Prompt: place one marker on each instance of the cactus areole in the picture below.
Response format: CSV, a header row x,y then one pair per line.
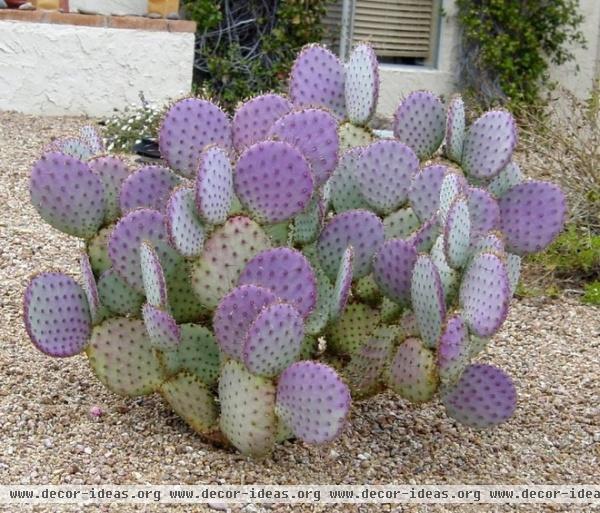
x,y
283,261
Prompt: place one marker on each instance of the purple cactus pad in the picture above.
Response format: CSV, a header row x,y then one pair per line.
x,y
90,288
362,84
455,129
360,229
452,186
392,269
413,373
67,194
273,340
314,133
254,118
384,172
214,185
489,144
273,180
510,176
188,127
124,245
317,80
287,273
484,294
56,314
484,212
483,397
424,238
153,277
234,315
162,329
453,350
343,282
184,227
424,193
420,122
457,233
312,401
148,187
112,171
532,214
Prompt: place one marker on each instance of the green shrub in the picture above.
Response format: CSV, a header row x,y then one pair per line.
x,y
508,45
592,293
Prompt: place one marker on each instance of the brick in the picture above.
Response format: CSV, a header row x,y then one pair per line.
x,y
138,23
81,20
182,26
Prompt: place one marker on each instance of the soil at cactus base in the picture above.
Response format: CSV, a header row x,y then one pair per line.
x,y
549,347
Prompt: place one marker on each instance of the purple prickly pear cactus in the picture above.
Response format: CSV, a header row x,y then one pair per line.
x,y
148,187
362,84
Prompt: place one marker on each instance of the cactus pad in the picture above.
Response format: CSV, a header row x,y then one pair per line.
x,y
367,365
97,250
90,288
307,225
484,396
448,276
510,176
420,122
148,187
455,129
117,296
121,356
312,401
413,373
489,144
287,273
428,301
273,340
317,79
484,212
344,189
273,180
247,409
457,233
343,282
197,353
188,127
484,294
513,269
112,171
360,229
254,118
225,255
234,315
124,245
319,317
392,269
162,329
71,146
191,399
56,314
67,194
214,185
384,172
453,350
362,84
532,215
91,138
314,133
184,227
491,242
400,224
352,329
452,186
424,238
424,193
155,285
352,136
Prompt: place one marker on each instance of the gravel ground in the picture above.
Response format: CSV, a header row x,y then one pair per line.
x,y
550,347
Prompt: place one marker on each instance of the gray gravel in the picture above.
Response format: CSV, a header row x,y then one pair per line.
x,y
550,347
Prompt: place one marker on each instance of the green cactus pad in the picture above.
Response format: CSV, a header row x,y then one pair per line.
x,y
183,301
186,230
191,399
455,129
477,345
225,254
155,285
319,317
365,370
214,185
362,84
343,282
352,136
273,340
354,327
56,314
408,326
367,290
343,189
162,329
400,224
309,348
307,224
424,238
453,350
448,276
428,300
457,233
413,374
67,194
117,296
279,233
121,355
197,353
452,186
506,179
247,410
513,269
97,250
91,289
390,311
112,171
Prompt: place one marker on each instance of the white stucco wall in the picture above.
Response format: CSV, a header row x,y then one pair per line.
x,y
120,7
397,81
63,69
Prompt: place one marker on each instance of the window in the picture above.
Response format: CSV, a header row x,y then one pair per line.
x,y
401,31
